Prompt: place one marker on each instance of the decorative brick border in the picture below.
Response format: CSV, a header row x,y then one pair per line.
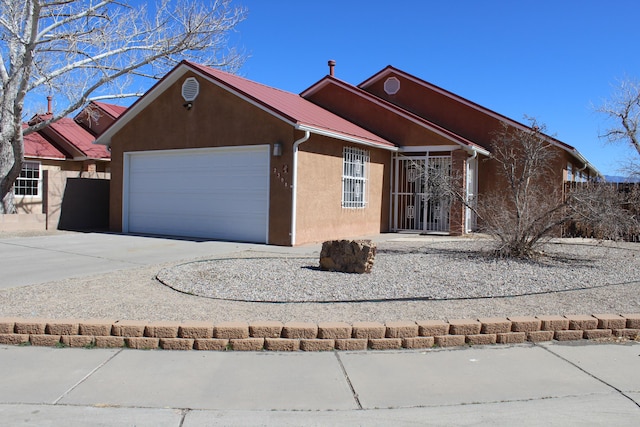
x,y
323,336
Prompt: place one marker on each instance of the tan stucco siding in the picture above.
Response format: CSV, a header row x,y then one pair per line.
x,y
218,118
320,215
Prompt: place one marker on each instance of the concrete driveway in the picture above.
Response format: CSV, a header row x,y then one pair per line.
x,y
38,259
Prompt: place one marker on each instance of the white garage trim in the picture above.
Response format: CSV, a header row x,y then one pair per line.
x,y
219,193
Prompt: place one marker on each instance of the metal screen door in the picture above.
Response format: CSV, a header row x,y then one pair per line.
x,y
418,205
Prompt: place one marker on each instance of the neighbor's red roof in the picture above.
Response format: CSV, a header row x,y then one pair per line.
x,y
79,137
36,146
291,106
111,109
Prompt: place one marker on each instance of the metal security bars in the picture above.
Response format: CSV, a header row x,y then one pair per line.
x,y
355,169
419,202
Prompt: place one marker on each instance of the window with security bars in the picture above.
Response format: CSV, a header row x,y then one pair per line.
x,y
28,183
355,167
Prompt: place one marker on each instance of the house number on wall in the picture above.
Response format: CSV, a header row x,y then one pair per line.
x,y
280,176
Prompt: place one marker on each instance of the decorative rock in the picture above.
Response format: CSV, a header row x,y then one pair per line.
x,y
348,256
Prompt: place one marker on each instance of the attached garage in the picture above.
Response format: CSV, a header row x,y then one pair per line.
x,y
218,193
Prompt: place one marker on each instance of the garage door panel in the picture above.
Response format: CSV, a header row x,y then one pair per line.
x,y
215,193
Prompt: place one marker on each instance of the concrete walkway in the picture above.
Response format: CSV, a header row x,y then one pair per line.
x,y
549,384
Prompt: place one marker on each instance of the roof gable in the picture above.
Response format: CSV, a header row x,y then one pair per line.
x,y
389,71
113,110
393,109
286,106
74,138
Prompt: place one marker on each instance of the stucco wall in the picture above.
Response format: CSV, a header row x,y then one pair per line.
x,y
218,118
48,206
320,215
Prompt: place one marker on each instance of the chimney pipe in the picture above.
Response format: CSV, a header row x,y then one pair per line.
x,y
49,109
332,65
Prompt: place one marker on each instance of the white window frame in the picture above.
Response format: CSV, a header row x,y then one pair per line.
x,y
29,166
355,178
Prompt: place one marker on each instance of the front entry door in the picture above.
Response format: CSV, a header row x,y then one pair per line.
x,y
418,202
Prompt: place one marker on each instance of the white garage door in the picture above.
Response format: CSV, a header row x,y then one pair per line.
x,y
218,193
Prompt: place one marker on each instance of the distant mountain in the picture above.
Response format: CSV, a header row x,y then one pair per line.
x,y
616,178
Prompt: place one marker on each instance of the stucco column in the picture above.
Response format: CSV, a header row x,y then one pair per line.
x,y
459,179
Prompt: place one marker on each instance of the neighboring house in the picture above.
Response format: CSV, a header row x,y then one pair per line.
x,y
209,154
54,157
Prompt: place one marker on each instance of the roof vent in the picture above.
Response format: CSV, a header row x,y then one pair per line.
x,y
190,89
391,86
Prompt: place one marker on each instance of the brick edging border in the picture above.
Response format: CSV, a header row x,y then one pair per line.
x,y
307,336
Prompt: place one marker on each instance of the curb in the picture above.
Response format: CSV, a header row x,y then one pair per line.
x,y
307,336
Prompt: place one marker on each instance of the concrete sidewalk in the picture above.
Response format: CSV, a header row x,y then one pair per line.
x,y
544,384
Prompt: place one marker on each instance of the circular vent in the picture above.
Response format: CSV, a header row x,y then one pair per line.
x,y
391,86
190,89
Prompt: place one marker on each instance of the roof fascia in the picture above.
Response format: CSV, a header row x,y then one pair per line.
x,y
173,76
28,157
343,137
181,70
395,109
141,103
564,146
431,148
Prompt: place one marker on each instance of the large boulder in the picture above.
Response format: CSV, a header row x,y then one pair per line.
x,y
348,256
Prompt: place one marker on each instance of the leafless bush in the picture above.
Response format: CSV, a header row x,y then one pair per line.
x,y
526,208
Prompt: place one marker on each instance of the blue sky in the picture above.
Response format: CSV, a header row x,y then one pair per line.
x,y
552,60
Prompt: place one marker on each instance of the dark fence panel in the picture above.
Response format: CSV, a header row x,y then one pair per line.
x,y
85,205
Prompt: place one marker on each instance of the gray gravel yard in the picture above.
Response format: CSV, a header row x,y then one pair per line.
x,y
458,269
411,279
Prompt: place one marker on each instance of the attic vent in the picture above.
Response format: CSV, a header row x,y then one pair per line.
x,y
190,89
391,86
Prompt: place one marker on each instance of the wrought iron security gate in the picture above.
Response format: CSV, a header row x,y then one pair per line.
x,y
419,204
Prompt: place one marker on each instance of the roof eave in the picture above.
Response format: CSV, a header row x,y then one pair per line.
x,y
347,138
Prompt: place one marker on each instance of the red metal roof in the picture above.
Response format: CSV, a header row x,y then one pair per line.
x,y
75,135
35,145
111,109
290,106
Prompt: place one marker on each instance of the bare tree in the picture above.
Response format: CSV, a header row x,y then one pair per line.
x,y
81,50
527,205
623,109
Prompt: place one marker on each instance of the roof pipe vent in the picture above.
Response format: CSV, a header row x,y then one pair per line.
x,y
332,65
49,104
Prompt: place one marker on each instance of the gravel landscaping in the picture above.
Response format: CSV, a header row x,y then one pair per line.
x,y
412,279
444,270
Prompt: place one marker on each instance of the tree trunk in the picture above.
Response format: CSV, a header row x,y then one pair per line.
x,y
11,157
